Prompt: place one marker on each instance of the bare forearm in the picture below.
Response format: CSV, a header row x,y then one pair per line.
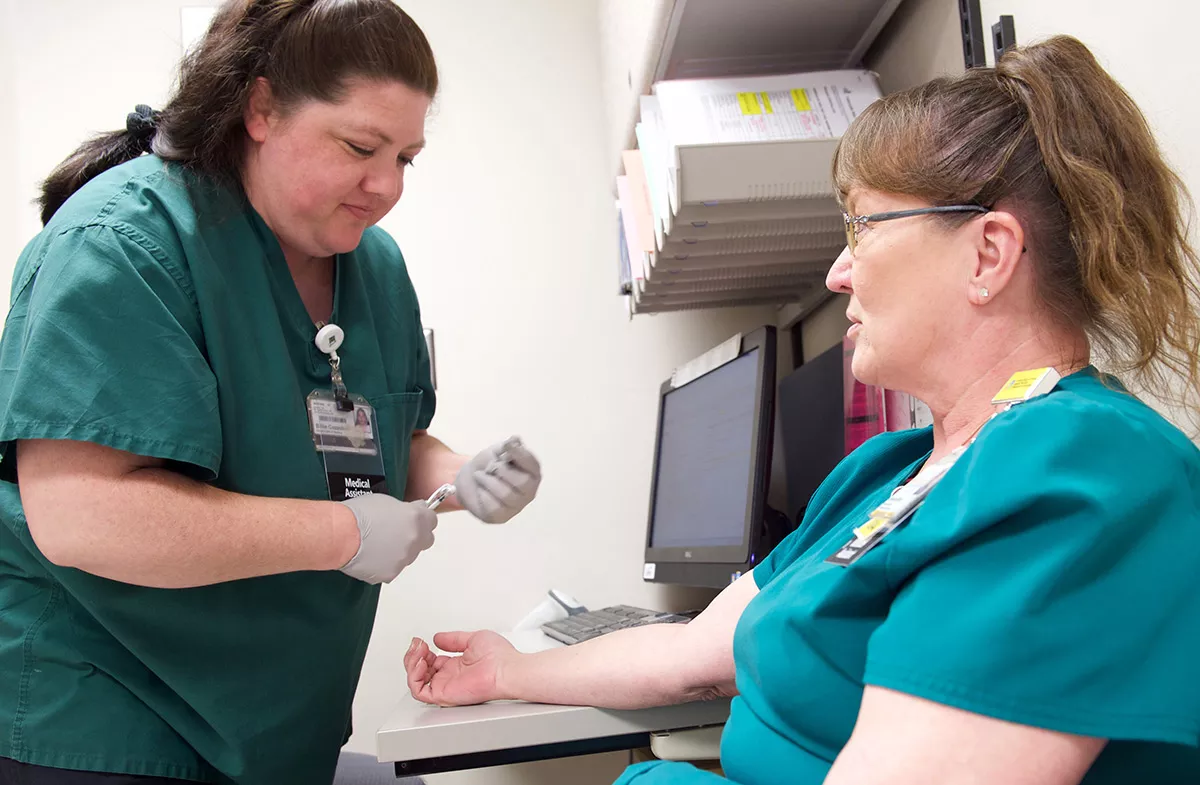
x,y
153,527
630,669
431,465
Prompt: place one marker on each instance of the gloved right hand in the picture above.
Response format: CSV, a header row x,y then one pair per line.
x,y
391,534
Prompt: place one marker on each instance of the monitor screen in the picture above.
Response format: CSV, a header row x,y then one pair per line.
x,y
705,457
813,426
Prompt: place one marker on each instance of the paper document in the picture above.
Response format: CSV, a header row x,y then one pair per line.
x,y
749,117
817,105
713,358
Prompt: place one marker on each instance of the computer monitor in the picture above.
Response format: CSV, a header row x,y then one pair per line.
x,y
711,463
812,421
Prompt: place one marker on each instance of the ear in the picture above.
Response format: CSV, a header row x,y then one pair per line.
x,y
260,115
999,249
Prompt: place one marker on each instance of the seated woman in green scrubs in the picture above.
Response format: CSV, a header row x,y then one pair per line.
x,y
1037,619
187,585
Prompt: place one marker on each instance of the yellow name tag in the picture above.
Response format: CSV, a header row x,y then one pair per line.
x,y
1025,385
870,527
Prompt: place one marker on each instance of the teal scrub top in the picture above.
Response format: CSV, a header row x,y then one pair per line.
x,y
156,314
1052,579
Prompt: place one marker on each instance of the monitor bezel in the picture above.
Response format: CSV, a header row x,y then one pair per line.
x,y
762,339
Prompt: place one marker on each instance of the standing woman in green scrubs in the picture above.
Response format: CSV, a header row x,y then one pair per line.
x,y
187,584
1036,621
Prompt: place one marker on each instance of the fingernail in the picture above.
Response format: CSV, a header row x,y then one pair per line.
x,y
412,645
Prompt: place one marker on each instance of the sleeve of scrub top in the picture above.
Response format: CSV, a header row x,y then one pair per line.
x,y
110,352
661,772
1066,590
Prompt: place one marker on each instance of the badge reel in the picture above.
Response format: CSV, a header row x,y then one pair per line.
x,y
343,429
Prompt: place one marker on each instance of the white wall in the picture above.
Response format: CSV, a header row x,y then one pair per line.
x,y
80,67
508,229
8,147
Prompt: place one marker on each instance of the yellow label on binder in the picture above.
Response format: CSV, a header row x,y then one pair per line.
x,y
766,102
800,99
1024,385
749,103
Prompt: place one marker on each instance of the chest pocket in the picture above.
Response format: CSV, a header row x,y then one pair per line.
x,y
395,417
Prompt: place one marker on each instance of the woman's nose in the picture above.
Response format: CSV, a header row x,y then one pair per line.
x,y
838,279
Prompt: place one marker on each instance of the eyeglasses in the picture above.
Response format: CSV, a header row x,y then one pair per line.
x,y
853,222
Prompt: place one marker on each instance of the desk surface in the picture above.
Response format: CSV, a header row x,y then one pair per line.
x,y
423,739
416,731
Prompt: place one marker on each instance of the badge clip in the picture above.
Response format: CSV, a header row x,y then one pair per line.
x,y
328,339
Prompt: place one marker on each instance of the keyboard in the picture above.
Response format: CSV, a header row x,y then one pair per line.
x,y
580,627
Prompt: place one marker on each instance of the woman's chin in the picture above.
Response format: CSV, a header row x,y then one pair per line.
x,y
862,365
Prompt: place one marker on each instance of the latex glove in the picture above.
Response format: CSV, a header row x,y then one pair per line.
x,y
458,681
494,488
391,534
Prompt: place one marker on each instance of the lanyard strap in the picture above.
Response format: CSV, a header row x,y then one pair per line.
x,y
904,501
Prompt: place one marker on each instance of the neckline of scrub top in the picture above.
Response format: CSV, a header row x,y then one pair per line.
x,y
293,303
1088,371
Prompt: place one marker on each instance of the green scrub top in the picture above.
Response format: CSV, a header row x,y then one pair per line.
x,y
156,314
1052,579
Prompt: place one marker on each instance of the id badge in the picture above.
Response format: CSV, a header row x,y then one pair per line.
x,y
867,537
894,512
348,440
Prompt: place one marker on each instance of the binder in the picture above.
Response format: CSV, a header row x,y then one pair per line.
x,y
696,232
624,275
745,139
714,300
639,199
806,259
732,190
680,287
814,273
634,260
827,242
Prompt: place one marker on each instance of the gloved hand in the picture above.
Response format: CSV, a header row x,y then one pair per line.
x,y
497,483
391,534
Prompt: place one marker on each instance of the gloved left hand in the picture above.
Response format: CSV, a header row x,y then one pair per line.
x,y
499,482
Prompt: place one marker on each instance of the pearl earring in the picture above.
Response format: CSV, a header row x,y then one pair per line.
x,y
983,292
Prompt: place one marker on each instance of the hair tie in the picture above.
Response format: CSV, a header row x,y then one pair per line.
x,y
141,125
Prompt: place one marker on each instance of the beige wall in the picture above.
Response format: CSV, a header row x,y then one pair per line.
x,y
824,327
922,40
